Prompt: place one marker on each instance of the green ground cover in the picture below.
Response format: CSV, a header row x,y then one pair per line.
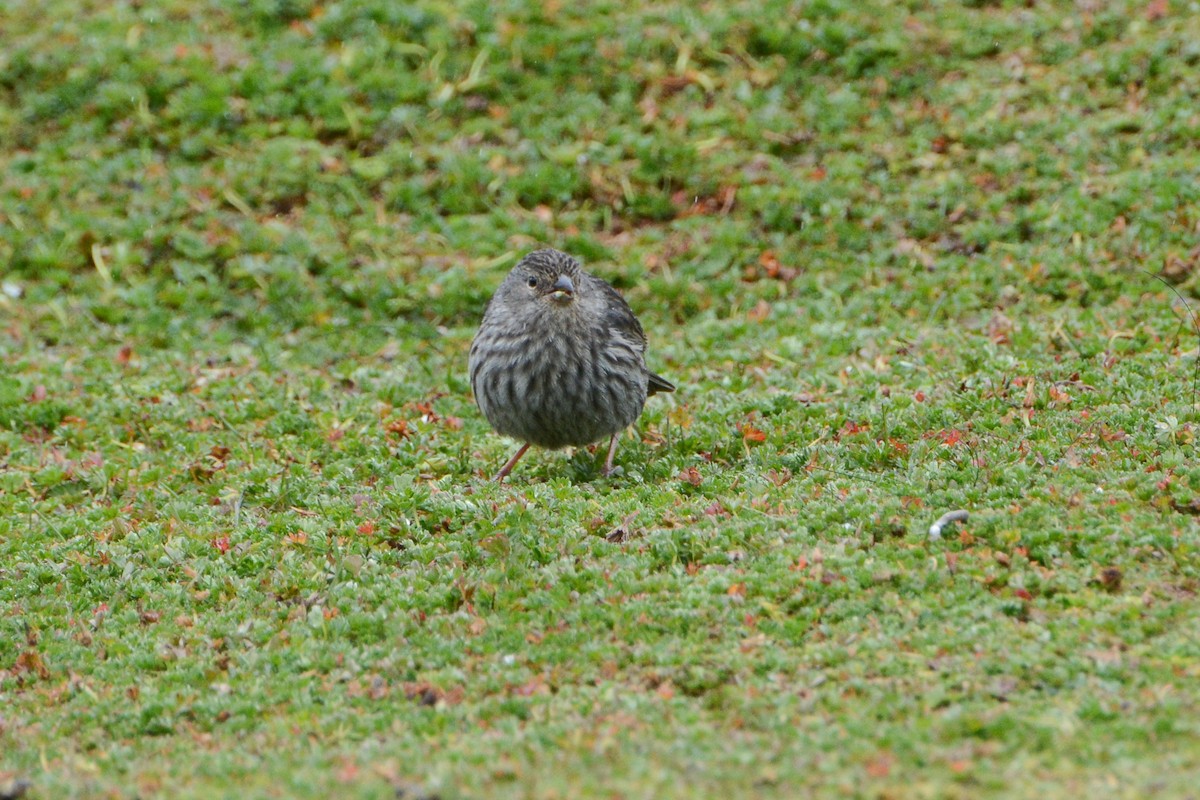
x,y
900,258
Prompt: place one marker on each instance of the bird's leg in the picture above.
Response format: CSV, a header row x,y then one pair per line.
x,y
512,462
612,451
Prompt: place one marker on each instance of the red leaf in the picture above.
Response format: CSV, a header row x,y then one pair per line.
x,y
851,427
761,311
751,433
775,270
951,438
716,510
535,686
347,772
31,661
880,766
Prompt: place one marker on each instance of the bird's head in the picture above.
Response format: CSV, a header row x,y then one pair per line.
x,y
547,276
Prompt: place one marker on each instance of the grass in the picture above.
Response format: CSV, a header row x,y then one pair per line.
x,y
899,258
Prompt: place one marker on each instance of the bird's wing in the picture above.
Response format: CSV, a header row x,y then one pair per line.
x,y
622,322
620,318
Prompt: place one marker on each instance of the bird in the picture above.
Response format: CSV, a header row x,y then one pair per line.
x,y
559,359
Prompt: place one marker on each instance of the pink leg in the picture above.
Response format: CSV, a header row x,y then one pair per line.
x,y
512,462
612,451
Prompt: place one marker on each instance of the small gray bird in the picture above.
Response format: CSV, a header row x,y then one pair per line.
x,y
559,359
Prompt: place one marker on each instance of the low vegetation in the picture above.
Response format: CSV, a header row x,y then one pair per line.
x,y
900,259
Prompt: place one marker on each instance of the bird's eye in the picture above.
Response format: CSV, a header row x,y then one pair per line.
x,y
532,282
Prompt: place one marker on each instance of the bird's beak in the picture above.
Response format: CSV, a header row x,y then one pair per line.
x,y
563,290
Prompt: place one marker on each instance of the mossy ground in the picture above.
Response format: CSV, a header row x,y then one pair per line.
x,y
900,258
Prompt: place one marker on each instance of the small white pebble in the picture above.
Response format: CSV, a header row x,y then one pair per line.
x,y
11,289
935,530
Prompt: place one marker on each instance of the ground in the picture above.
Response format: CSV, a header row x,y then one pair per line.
x,y
900,259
